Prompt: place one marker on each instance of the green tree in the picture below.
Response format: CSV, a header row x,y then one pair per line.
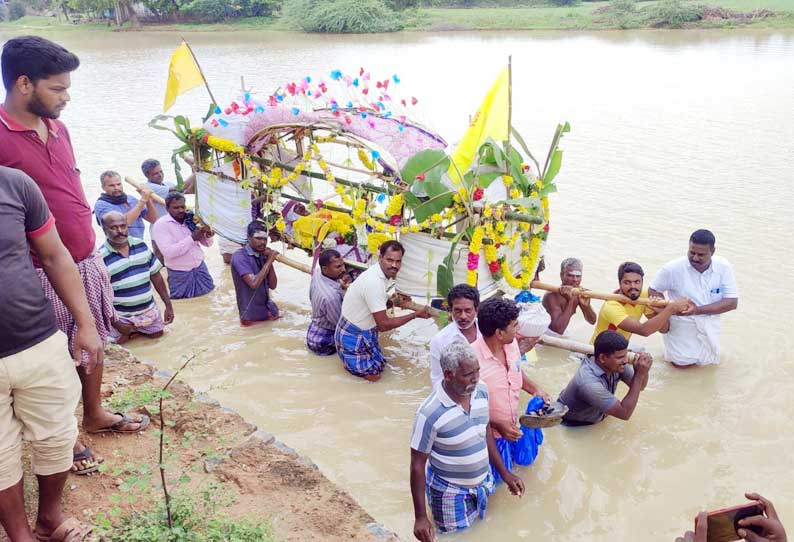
x,y
341,16
16,10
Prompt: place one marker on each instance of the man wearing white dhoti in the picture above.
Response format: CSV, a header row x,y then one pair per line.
x,y
708,280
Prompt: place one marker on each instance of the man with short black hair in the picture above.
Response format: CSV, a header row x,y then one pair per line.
x,y
37,76
364,315
590,395
708,280
625,317
562,305
135,210
155,181
326,291
499,349
254,276
462,303
180,239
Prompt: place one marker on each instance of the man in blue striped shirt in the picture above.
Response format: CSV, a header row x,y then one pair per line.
x,y
451,430
133,269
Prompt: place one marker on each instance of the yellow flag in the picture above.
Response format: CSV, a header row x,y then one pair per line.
x,y
183,75
489,121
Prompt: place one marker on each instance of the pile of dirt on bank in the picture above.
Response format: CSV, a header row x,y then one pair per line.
x,y
715,13
265,478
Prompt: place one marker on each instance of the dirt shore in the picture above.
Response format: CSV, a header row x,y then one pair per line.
x,y
264,478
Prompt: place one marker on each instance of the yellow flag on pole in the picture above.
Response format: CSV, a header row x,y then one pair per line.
x,y
491,120
183,75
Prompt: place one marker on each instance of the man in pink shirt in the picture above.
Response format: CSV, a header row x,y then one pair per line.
x,y
179,240
36,76
499,350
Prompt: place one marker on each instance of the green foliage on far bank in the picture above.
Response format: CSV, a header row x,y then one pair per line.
x,y
341,16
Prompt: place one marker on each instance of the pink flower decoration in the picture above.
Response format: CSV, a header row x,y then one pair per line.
x,y
473,261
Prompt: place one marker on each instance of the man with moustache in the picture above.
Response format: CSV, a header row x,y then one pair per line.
x,y
590,395
133,269
180,241
36,76
364,315
708,280
625,317
326,291
451,446
254,276
462,303
562,305
135,210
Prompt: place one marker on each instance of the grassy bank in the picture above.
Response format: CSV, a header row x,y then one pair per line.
x,y
582,16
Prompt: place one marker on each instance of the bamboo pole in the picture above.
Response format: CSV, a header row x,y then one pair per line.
x,y
606,297
207,85
135,184
574,346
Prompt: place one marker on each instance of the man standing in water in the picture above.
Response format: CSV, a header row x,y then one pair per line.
x,y
451,431
326,291
180,241
708,280
625,317
135,210
462,302
36,76
254,276
590,395
562,305
364,315
133,270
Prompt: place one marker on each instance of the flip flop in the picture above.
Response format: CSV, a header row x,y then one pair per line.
x,y
85,456
70,530
125,420
547,416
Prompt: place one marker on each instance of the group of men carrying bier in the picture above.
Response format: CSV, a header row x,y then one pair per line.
x,y
460,431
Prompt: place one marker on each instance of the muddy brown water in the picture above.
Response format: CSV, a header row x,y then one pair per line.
x,y
671,131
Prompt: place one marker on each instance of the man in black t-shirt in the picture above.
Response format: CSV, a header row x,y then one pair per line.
x,y
39,388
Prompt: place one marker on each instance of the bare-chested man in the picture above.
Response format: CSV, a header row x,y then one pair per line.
x,y
563,305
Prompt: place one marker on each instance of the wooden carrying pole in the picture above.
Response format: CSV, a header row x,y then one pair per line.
x,y
606,297
135,184
574,346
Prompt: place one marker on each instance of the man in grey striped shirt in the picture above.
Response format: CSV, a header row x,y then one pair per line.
x,y
451,430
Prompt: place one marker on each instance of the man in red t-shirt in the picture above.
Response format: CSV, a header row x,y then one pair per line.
x,y
36,76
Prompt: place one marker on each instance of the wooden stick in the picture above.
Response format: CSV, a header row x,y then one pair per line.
x,y
606,297
574,346
135,184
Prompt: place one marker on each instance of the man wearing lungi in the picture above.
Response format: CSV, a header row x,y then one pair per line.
x,y
180,241
499,349
36,75
708,280
326,291
451,430
133,269
364,315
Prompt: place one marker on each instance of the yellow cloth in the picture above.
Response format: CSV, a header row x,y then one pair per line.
x,y
183,75
489,121
612,313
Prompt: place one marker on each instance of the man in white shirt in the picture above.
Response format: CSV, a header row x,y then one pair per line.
x,y
364,315
462,302
708,280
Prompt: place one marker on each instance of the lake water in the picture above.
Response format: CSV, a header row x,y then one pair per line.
x,y
671,131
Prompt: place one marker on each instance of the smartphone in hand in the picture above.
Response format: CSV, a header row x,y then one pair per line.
x,y
723,523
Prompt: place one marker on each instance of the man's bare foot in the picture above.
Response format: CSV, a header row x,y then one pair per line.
x,y
372,378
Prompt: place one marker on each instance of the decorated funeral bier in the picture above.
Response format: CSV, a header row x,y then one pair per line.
x,y
348,162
